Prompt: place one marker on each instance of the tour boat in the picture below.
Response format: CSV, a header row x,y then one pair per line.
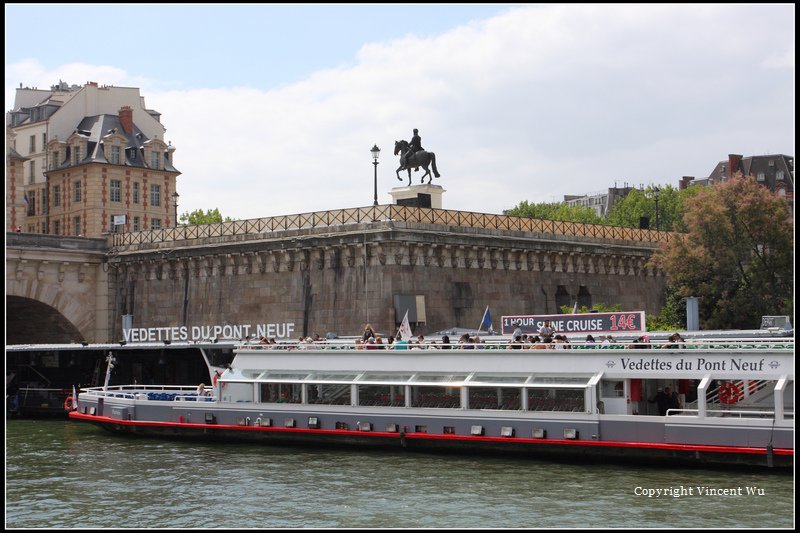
x,y
734,402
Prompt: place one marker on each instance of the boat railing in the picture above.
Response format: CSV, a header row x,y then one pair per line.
x,y
170,393
740,413
744,343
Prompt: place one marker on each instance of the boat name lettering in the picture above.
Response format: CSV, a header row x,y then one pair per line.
x,y
700,363
281,330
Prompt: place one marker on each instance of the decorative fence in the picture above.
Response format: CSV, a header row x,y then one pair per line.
x,y
394,213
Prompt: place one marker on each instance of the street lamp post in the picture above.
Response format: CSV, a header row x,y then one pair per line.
x,y
375,153
655,195
175,197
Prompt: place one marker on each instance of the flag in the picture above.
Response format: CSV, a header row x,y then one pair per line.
x,y
25,197
405,329
74,399
575,308
486,320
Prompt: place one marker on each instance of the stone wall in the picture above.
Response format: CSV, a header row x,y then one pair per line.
x,y
316,278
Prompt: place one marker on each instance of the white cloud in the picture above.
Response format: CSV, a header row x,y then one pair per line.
x,y
531,105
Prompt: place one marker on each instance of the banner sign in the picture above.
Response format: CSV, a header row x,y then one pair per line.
x,y
618,322
284,330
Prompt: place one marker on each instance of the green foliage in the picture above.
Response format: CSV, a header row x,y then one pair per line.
x,y
736,256
671,317
638,203
597,308
556,211
198,216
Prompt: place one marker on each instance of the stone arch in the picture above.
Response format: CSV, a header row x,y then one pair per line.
x,y
30,321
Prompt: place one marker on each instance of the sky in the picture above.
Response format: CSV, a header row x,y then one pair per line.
x,y
273,109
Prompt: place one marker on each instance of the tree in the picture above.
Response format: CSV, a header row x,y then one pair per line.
x,y
638,204
556,211
198,216
597,308
736,256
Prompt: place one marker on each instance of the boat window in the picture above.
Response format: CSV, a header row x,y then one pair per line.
x,y
333,376
293,375
495,398
385,376
281,393
440,378
237,392
441,397
329,394
499,378
382,395
612,388
556,399
542,379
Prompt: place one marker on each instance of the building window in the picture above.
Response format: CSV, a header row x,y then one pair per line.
x,y
136,192
77,151
155,195
77,190
56,195
135,223
760,176
76,221
779,175
56,227
116,188
44,140
31,203
154,160
115,151
32,171
55,159
155,223
114,227
32,146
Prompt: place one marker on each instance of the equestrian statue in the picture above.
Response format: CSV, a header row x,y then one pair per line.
x,y
412,155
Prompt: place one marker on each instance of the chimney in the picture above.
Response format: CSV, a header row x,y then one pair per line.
x,y
734,162
685,182
126,119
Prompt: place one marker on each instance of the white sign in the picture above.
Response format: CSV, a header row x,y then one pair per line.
x,y
120,220
283,330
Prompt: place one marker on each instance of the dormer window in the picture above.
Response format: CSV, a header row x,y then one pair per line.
x,y
115,155
779,175
76,150
154,156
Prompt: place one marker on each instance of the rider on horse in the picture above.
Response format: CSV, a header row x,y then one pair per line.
x,y
414,146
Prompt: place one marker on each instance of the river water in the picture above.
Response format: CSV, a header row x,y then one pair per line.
x,y
63,474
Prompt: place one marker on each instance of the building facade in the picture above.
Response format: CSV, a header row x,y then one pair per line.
x,y
89,154
600,202
775,172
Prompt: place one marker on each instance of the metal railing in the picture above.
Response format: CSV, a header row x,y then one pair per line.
x,y
393,213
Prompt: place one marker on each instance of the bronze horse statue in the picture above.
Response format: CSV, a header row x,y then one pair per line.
x,y
417,159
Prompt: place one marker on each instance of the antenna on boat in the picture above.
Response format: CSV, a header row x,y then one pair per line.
x,y
110,360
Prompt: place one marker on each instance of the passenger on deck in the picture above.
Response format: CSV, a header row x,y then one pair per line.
x,y
368,332
201,389
546,329
445,342
665,399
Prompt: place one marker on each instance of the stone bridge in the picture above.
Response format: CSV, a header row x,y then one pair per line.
x,y
56,289
330,271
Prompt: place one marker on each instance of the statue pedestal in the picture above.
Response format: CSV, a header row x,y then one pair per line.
x,y
418,196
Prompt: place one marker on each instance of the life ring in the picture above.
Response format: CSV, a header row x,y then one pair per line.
x,y
729,393
68,403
